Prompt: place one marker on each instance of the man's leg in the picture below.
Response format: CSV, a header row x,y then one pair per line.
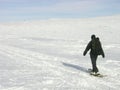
x,y
93,60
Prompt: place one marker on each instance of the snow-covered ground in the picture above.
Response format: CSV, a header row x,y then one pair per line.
x,y
47,55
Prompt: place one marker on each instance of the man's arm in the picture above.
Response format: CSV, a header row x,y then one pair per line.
x,y
102,52
87,48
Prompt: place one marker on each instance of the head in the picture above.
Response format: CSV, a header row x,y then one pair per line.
x,y
93,36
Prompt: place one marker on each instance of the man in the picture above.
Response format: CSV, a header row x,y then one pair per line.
x,y
95,49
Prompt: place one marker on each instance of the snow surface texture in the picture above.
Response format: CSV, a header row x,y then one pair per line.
x,y
47,55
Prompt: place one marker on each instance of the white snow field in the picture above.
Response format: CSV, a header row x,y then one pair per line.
x,y
48,54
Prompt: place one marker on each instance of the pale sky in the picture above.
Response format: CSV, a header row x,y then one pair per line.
x,y
19,10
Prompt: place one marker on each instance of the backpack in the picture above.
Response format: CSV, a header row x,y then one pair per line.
x,y
96,46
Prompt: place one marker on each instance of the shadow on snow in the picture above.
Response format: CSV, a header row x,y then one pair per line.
x,y
75,67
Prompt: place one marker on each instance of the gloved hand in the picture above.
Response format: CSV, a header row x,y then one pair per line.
x,y
103,55
84,53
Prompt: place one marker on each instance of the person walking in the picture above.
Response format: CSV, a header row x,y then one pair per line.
x,y
95,48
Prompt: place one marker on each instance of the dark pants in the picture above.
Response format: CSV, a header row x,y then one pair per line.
x,y
93,60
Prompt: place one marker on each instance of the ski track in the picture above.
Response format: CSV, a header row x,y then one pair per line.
x,y
40,71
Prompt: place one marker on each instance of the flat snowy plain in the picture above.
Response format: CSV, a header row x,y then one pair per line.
x,y
47,54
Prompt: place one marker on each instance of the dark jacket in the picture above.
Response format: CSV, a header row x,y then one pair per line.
x,y
92,51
